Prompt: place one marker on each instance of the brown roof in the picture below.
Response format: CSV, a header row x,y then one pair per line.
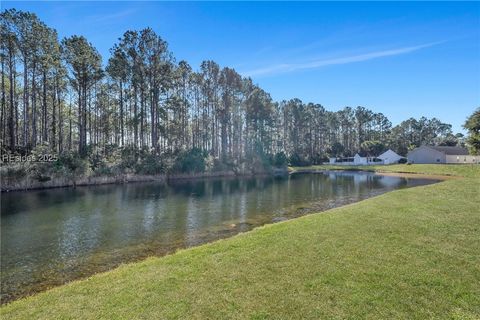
x,y
451,150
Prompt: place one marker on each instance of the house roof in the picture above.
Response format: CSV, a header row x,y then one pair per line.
x,y
451,150
389,153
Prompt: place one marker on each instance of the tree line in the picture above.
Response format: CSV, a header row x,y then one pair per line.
x,y
61,96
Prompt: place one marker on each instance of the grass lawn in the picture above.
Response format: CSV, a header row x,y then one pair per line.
x,y
468,171
407,254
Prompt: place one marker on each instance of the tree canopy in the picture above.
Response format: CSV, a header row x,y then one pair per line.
x,y
473,126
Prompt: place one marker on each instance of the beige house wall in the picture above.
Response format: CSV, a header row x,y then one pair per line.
x,y
462,159
426,155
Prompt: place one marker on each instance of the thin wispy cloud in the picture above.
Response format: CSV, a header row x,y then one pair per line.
x,y
291,67
111,17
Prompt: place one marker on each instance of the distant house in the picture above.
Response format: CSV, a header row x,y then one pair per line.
x,y
441,154
390,157
356,160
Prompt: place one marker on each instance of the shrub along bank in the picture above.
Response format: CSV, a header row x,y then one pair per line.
x,y
117,165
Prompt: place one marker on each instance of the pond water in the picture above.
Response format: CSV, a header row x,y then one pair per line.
x,y
49,237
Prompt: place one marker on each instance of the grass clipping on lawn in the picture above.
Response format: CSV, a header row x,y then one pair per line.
x,y
407,254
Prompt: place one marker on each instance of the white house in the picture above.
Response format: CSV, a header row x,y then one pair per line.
x,y
389,157
356,160
441,154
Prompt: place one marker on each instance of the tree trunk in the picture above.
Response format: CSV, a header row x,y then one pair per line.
x,y
54,125
153,115
80,120
70,126
84,119
121,114
11,123
14,101
135,116
25,103
60,119
142,112
34,111
3,110
45,124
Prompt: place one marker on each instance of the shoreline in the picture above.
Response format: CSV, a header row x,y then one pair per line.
x,y
386,170
29,184
385,173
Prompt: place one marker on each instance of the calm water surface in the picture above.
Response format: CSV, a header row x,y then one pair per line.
x,y
50,237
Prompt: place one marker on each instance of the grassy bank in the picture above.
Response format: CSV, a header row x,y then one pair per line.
x,y
468,171
408,254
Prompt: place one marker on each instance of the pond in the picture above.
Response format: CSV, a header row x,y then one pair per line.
x,y
50,237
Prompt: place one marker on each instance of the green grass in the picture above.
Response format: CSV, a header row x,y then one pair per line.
x,y
469,171
408,254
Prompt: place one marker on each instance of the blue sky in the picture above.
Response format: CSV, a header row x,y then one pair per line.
x,y
407,59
